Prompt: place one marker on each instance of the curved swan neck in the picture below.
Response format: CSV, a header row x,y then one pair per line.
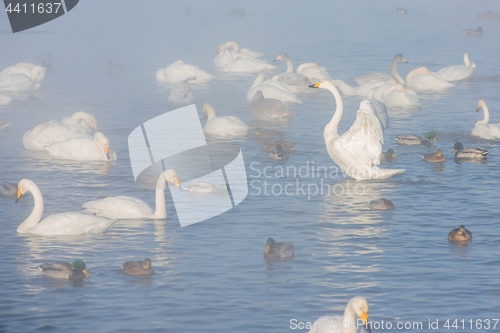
x,y
234,45
210,111
161,209
36,213
230,59
390,89
394,71
332,126
306,65
349,321
261,78
344,87
486,119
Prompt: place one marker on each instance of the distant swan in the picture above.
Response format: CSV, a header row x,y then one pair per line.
x,y
22,77
459,72
482,128
357,307
57,224
421,79
221,59
312,71
382,77
223,127
242,65
269,109
271,89
295,82
126,207
182,96
181,72
358,150
83,149
398,96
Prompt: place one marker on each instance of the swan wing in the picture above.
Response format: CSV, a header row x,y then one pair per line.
x,y
120,207
71,224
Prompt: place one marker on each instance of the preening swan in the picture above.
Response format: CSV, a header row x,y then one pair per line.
x,y
358,150
83,149
269,109
243,65
459,72
357,307
181,72
21,78
421,79
221,59
65,271
398,96
223,127
482,128
125,207
57,224
312,71
271,89
182,96
295,82
382,77
87,123
50,133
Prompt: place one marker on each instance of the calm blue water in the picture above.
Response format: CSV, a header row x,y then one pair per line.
x,y
211,277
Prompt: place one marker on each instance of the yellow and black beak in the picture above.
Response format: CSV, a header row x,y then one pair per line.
x,y
86,273
95,127
315,85
19,194
267,249
364,318
106,151
479,108
176,182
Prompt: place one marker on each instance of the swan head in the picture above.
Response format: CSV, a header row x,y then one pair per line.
x,y
171,176
431,136
79,266
480,104
88,118
282,56
209,111
457,146
24,186
103,142
222,48
399,57
360,307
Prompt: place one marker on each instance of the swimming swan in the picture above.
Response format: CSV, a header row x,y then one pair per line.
x,y
271,89
482,128
357,307
57,224
83,149
269,109
295,82
358,150
459,72
398,96
421,79
223,127
382,77
126,207
312,71
21,78
243,65
221,59
181,72
86,122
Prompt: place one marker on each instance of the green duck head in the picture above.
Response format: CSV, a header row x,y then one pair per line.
x,y
79,266
431,136
457,146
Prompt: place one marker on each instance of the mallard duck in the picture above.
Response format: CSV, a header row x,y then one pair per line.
x,y
65,271
415,140
460,235
434,157
138,267
279,154
381,204
269,146
259,133
278,250
468,153
388,156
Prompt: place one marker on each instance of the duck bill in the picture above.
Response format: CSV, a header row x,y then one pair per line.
x,y
19,195
453,150
86,273
394,155
436,141
267,250
315,85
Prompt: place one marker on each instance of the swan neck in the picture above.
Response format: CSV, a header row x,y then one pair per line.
x,y
486,113
332,126
230,59
289,65
388,90
234,45
467,60
349,321
160,206
261,78
394,71
344,87
210,112
36,213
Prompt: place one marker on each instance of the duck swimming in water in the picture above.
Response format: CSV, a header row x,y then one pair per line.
x,y
468,153
434,157
460,235
415,140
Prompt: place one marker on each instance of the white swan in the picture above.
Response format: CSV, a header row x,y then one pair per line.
x,y
83,149
125,207
312,71
482,128
361,90
182,96
382,77
376,93
357,307
295,82
223,127
50,133
398,96
181,72
459,72
357,150
421,79
57,224
243,65
271,89
221,59
269,109
21,78
86,122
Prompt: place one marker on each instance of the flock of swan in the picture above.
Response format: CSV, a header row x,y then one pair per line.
x,y
358,151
